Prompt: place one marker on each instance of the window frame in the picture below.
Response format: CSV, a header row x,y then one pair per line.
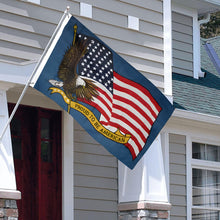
x,y
198,164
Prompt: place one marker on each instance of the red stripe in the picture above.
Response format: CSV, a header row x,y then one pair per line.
x,y
133,116
124,130
136,96
138,86
136,107
104,103
137,130
131,149
105,94
98,108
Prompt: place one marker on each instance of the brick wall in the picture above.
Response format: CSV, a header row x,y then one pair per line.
x,y
8,209
143,211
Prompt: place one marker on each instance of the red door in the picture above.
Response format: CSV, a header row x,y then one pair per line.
x,y
36,143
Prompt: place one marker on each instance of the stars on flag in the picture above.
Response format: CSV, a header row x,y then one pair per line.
x,y
97,63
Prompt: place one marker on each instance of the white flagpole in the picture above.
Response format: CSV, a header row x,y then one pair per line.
x,y
66,13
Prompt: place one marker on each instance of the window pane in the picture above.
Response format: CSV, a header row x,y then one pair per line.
x,y
17,149
199,214
206,190
15,127
213,153
46,151
198,151
206,152
45,128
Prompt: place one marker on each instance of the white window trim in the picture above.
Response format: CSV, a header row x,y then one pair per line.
x,y
196,36
200,164
167,24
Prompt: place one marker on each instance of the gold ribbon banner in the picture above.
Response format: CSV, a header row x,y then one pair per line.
x,y
117,136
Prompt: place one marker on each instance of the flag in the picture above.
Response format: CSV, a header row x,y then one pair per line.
x,y
108,97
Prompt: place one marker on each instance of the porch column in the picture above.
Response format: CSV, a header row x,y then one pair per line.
x,y
143,191
8,192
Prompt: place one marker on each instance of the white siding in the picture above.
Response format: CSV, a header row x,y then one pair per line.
x,y
26,29
182,33
177,157
95,175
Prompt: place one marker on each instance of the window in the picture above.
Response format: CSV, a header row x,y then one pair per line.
x,y
205,181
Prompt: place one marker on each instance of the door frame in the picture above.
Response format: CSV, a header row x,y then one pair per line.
x,y
38,100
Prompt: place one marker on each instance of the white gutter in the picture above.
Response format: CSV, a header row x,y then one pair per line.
x,y
195,116
205,20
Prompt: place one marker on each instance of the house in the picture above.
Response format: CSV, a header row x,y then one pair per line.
x,y
57,171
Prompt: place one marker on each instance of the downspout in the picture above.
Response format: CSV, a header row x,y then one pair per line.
x,y
205,20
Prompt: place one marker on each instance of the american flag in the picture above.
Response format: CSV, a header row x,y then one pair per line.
x,y
123,103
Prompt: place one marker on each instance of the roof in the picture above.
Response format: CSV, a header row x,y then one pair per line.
x,y
200,95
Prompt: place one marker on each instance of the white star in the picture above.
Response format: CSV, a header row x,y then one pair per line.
x,y
100,80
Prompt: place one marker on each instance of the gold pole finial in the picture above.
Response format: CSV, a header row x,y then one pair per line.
x,y
75,29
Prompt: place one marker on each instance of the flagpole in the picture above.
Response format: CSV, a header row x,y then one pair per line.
x,y
66,13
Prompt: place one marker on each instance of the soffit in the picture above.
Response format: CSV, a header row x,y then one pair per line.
x,y
203,6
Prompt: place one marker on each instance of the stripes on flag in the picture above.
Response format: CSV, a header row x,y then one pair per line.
x,y
131,109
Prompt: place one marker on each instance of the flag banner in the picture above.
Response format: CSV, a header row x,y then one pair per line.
x,y
110,99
